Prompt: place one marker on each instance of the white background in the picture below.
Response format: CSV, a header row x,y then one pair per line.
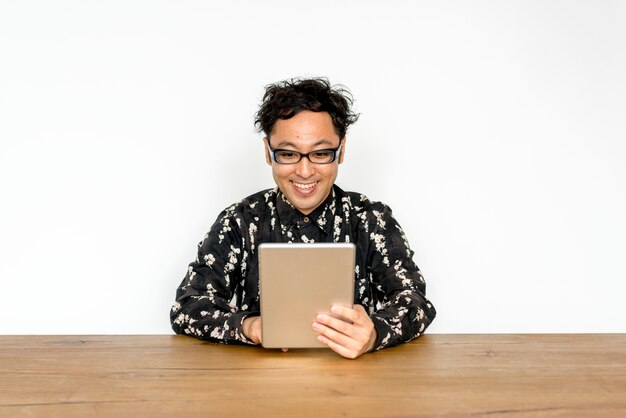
x,y
494,129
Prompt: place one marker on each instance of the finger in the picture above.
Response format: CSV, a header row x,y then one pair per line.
x,y
362,332
338,348
335,336
358,330
336,324
348,314
346,346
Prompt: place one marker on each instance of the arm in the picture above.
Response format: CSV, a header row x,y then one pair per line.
x,y
405,313
204,307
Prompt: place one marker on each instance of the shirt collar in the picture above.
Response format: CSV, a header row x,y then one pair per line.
x,y
322,216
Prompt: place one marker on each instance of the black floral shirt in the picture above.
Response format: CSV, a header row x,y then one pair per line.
x,y
221,287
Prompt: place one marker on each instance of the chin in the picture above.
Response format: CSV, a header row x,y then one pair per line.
x,y
305,204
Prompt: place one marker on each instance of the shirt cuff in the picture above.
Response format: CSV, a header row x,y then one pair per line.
x,y
235,327
383,334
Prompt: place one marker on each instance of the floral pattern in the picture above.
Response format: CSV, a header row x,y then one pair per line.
x,y
221,287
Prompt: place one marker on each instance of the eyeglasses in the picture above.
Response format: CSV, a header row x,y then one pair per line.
x,y
320,156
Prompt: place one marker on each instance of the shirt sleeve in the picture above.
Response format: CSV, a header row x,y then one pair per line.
x,y
404,313
206,306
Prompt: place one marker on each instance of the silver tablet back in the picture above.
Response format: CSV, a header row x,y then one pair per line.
x,y
298,281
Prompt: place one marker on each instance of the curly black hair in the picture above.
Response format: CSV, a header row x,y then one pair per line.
x,y
287,98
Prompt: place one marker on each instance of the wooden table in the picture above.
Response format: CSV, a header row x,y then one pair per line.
x,y
436,375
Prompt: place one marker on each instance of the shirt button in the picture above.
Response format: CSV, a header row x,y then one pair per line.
x,y
306,219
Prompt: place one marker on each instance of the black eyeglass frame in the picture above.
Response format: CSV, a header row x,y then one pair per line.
x,y
273,151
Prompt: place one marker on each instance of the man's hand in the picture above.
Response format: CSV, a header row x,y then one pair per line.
x,y
251,328
349,332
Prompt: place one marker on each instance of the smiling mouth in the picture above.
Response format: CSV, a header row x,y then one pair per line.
x,y
304,186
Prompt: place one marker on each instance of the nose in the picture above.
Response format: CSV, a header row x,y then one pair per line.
x,y
305,168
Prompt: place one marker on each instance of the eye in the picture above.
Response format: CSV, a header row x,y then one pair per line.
x,y
322,155
287,156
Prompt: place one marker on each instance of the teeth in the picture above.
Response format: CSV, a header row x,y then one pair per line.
x,y
304,186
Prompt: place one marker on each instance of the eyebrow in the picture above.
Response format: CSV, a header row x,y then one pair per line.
x,y
288,143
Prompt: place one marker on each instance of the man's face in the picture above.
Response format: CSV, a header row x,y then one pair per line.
x,y
305,184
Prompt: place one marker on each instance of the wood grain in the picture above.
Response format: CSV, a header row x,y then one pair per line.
x,y
564,375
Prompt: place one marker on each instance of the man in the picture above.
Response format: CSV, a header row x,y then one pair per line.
x,y
305,123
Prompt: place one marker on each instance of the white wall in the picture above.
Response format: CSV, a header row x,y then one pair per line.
x,y
494,129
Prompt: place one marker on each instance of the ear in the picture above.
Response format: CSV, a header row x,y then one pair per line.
x,y
343,149
268,159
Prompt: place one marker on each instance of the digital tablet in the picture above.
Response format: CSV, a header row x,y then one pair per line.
x,y
298,281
